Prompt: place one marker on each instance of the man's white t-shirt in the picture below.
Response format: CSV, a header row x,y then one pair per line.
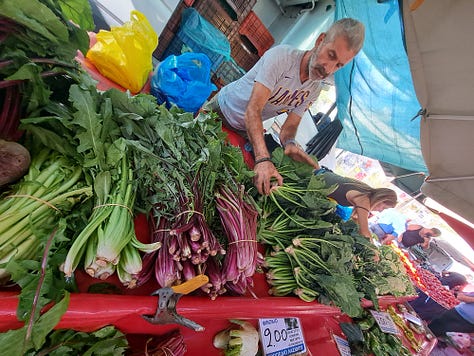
x,y
279,71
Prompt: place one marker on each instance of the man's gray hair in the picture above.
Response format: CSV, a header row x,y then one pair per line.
x,y
352,30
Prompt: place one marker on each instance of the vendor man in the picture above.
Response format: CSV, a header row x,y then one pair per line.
x,y
284,80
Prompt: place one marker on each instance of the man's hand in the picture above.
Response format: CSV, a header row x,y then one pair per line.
x,y
297,154
264,172
387,239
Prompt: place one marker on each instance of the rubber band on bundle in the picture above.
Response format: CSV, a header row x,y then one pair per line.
x,y
114,204
34,198
234,242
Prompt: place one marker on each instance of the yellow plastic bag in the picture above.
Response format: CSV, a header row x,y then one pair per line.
x,y
124,54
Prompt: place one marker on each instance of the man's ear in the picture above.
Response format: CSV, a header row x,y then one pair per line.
x,y
320,39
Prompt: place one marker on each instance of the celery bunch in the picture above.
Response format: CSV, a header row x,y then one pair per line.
x,y
30,211
86,130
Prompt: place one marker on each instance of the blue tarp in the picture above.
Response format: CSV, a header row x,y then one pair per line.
x,y
376,100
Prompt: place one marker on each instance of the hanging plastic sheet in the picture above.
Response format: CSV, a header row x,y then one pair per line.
x,y
376,100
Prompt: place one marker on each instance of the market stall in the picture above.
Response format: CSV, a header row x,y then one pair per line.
x,y
100,142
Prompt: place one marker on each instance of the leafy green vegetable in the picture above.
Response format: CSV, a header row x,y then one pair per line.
x,y
313,253
105,341
46,30
366,338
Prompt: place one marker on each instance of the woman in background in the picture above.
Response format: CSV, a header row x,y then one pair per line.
x,y
362,197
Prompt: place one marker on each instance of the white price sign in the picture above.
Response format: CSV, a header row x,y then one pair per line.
x,y
412,318
385,322
281,337
342,346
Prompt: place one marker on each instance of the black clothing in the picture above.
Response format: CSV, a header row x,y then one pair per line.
x,y
450,320
412,237
345,184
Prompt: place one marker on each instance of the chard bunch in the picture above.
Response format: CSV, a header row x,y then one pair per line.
x,y
32,208
239,220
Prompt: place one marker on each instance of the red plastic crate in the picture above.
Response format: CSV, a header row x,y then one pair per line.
x,y
241,7
218,15
253,28
245,55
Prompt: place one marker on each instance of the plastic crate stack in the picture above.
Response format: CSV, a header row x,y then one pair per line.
x,y
196,34
256,32
224,18
172,26
247,35
227,72
227,16
251,41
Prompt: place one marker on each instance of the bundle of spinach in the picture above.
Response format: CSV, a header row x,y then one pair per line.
x,y
314,254
366,338
105,341
37,48
385,277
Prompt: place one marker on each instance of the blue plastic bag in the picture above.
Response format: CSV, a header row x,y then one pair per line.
x,y
344,212
183,80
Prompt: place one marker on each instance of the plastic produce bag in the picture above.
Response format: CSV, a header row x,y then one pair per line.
x,y
202,37
183,80
124,54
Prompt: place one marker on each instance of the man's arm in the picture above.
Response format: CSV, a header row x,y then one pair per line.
x,y
361,206
264,171
466,298
292,150
400,237
426,243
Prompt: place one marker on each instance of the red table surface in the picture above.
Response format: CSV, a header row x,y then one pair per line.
x,y
87,312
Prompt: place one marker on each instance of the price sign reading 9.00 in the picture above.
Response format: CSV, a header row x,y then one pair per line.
x,y
281,337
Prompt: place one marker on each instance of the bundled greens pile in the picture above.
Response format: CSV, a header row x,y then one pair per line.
x,y
185,174
129,150
127,154
313,254
84,130
366,338
32,208
141,157
119,155
37,47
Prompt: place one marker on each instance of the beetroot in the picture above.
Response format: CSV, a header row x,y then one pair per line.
x,y
14,161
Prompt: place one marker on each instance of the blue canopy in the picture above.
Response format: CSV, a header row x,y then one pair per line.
x,y
376,100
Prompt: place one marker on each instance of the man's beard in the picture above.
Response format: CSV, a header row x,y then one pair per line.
x,y
316,71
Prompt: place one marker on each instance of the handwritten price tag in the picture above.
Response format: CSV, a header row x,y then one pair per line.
x,y
281,337
342,346
412,318
385,322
